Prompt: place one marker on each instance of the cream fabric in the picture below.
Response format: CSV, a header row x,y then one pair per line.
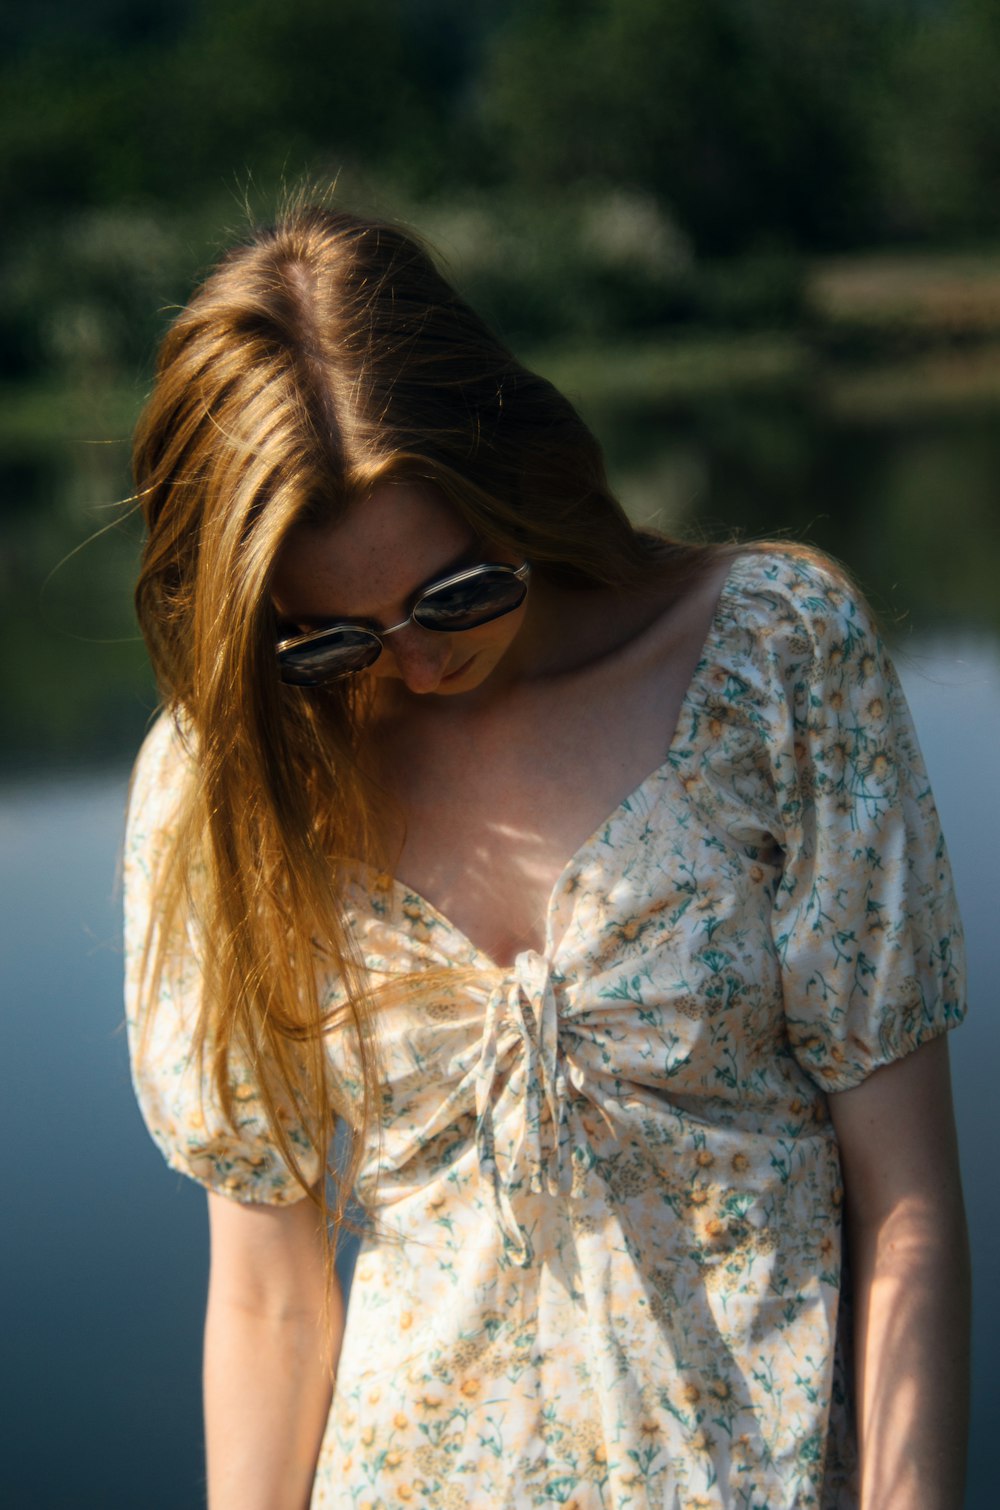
x,y
605,1265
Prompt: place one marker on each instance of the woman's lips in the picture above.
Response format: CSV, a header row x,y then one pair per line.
x,y
459,670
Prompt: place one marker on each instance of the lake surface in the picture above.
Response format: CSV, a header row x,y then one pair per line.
x,y
104,1254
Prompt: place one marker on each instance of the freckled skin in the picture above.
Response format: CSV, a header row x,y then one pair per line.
x,y
371,564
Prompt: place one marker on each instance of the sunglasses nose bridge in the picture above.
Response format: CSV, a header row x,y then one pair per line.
x,y
383,634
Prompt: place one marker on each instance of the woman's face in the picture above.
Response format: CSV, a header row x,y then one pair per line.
x,y
370,566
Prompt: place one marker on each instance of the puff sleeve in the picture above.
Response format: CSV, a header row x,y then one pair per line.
x,y
865,921
177,1099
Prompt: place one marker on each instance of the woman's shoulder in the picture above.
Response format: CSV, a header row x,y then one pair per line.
x,y
789,627
792,604
160,776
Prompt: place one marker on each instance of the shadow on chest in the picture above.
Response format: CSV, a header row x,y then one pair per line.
x,y
491,825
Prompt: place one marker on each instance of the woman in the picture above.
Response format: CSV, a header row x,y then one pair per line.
x,y
590,879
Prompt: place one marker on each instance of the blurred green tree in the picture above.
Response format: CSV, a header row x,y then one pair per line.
x,y
747,118
939,138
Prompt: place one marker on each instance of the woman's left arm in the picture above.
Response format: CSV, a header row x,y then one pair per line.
x,y
910,1260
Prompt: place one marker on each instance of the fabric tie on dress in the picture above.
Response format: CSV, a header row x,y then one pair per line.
x,y
521,1010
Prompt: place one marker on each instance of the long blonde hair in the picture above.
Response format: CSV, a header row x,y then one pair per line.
x,y
322,356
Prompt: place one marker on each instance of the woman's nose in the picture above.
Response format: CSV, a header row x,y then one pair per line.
x,y
419,657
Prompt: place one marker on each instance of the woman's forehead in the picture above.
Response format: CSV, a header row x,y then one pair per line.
x,y
373,559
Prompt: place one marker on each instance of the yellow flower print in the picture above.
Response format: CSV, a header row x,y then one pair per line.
x,y
740,1162
868,666
374,1396
649,1427
400,1421
835,700
430,1402
393,1459
691,1394
763,1240
406,1321
698,1196
470,1388
404,1492
881,766
368,1436
633,929
720,1389
702,1442
716,727
704,1158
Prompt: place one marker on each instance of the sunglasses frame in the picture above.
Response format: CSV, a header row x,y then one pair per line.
x,y
379,636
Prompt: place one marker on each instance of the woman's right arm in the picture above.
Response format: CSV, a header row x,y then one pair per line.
x,y
270,1354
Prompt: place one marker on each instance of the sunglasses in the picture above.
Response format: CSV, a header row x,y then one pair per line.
x,y
464,600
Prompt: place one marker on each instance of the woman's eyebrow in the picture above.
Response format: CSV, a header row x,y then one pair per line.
x,y
472,555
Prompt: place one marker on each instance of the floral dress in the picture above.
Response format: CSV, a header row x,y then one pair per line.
x,y
604,1266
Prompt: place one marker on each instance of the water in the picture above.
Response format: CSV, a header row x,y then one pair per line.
x,y
104,1256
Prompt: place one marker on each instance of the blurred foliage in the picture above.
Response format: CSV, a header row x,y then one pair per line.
x,y
670,205
682,157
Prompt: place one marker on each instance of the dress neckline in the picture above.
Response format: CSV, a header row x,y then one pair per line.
x,y
479,956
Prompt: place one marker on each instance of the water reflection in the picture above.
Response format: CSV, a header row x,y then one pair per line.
x,y
912,508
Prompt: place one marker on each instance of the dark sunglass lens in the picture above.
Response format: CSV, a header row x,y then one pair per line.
x,y
465,605
329,656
